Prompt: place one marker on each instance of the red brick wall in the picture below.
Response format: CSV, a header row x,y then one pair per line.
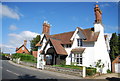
x,y
21,50
34,53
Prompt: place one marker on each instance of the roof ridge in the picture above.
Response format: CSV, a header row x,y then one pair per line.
x,y
62,33
88,28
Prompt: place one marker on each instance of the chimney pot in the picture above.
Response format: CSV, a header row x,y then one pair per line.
x,y
25,42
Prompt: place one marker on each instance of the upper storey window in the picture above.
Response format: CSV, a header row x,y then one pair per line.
x,y
79,42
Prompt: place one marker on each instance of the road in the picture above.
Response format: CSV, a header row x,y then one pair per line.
x,y
10,71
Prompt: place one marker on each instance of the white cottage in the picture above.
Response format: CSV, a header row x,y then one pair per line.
x,y
82,47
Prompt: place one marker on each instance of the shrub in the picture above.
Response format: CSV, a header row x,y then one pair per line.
x,y
24,57
90,71
69,66
108,71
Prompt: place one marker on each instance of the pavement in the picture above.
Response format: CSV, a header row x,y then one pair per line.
x,y
105,76
65,76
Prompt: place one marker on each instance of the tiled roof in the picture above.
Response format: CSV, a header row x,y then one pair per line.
x,y
89,34
117,60
21,47
58,47
78,50
38,44
63,37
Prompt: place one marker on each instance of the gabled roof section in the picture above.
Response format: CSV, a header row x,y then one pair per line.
x,y
21,47
90,34
40,42
64,37
58,47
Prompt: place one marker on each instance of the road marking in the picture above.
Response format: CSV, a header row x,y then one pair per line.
x,y
12,72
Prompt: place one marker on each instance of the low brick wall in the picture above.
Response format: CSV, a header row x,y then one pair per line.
x,y
70,71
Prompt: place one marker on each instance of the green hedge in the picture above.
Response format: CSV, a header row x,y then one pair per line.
x,y
25,57
90,71
69,66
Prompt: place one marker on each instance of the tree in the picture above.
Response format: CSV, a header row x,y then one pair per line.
x,y
34,42
114,51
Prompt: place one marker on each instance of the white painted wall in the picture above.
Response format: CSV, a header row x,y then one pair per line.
x,y
40,59
88,56
68,58
47,47
100,47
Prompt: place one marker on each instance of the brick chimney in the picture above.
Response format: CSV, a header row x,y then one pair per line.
x,y
98,14
46,28
16,48
25,42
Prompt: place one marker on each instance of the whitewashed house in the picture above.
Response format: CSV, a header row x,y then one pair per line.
x,y
82,47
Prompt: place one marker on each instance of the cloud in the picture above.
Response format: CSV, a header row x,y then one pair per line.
x,y
105,5
9,12
7,48
16,40
13,27
19,38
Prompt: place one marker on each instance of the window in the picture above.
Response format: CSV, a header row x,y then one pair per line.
x,y
66,45
78,58
79,42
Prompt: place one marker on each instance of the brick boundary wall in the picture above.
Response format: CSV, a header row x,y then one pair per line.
x,y
75,72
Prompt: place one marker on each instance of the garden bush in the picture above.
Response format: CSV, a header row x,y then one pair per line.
x,y
69,66
108,71
90,71
24,57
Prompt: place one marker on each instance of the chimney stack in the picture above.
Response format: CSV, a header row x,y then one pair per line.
x,y
46,28
25,42
98,14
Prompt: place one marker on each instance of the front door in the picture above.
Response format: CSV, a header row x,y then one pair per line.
x,y
49,60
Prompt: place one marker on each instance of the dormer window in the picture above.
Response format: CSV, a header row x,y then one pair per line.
x,y
66,45
79,42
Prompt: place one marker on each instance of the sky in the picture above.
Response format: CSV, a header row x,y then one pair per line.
x,y
24,20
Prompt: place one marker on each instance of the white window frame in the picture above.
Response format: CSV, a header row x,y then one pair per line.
x,y
79,42
77,56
